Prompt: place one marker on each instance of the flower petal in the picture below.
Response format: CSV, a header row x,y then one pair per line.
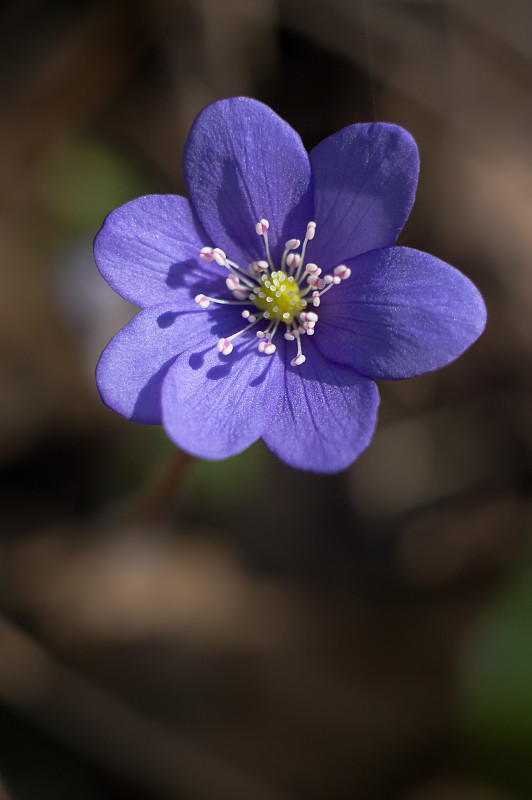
x,y
365,180
401,313
326,416
243,163
132,367
144,246
215,406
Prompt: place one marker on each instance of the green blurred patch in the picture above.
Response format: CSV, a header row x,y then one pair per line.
x,y
495,698
222,484
84,180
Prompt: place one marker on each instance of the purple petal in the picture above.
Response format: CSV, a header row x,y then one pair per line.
x,y
365,180
132,367
243,163
215,406
326,416
146,247
401,313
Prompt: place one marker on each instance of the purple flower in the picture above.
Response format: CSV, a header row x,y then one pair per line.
x,y
247,331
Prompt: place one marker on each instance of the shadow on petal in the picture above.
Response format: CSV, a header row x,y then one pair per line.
x,y
246,349
149,396
167,319
197,360
220,371
262,377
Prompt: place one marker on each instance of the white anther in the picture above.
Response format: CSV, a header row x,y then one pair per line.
x,y
256,267
313,280
328,279
292,260
206,254
310,316
260,335
269,348
202,301
292,244
316,299
219,256
312,269
311,230
224,346
240,294
245,313
342,272
232,283
262,226
300,359
289,336
309,331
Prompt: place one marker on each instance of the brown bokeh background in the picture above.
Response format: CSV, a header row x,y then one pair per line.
x,y
179,630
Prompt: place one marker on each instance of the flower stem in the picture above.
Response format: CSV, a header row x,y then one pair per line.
x,y
158,496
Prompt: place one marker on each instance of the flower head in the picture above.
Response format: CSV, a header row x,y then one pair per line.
x,y
273,298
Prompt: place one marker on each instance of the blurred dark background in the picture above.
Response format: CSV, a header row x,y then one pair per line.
x,y
173,630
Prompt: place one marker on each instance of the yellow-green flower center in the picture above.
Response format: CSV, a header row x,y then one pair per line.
x,y
278,296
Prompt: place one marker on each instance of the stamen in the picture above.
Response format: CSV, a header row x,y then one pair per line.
x,y
309,235
201,299
299,358
262,230
291,244
246,278
342,272
267,348
241,294
215,254
219,256
292,262
225,347
258,267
